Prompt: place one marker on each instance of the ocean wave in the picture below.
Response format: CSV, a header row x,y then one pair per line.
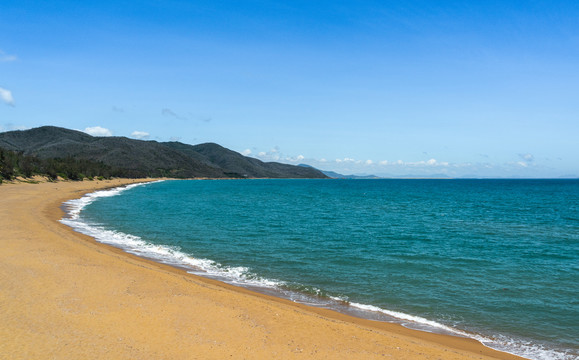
x,y
75,206
169,255
526,349
243,276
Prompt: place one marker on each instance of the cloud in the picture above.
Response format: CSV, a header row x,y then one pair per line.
x,y
272,155
118,109
171,113
246,152
526,166
141,135
175,138
526,160
369,162
295,159
527,157
431,162
6,96
7,58
98,131
348,160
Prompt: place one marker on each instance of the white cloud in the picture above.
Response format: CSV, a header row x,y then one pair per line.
x,y
6,96
431,162
277,154
141,135
527,157
7,58
350,161
525,165
98,131
272,155
293,159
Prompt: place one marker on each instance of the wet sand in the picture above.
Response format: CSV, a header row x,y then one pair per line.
x,y
65,296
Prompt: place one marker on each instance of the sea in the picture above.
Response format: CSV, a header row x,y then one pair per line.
x,y
492,260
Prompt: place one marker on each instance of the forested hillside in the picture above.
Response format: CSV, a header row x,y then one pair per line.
x,y
51,150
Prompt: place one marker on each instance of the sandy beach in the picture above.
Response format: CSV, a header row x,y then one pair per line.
x,y
65,296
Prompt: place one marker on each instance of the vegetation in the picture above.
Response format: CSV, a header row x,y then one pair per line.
x,y
14,164
53,150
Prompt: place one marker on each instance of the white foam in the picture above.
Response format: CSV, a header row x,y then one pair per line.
x,y
411,318
172,256
518,347
75,206
530,350
162,253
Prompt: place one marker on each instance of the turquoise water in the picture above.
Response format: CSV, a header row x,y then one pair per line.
x,y
496,260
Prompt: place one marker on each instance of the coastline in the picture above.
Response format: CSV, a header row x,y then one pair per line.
x,y
67,296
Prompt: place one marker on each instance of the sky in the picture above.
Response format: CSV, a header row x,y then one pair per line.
x,y
391,88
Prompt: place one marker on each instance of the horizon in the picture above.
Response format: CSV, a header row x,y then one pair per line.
x,y
338,176
378,88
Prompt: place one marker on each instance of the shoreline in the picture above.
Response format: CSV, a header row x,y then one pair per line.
x,y
160,310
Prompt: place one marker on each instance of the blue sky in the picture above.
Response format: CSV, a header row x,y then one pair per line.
x,y
462,88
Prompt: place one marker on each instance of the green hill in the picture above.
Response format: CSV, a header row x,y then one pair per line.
x,y
138,158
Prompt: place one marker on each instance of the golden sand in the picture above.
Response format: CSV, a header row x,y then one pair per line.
x,y
65,296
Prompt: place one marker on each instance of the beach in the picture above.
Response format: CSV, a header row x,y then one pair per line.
x,y
65,296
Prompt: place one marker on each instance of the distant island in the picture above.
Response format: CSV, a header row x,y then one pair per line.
x,y
335,175
58,152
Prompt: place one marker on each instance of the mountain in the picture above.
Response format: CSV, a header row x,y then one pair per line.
x,y
147,158
335,175
234,163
